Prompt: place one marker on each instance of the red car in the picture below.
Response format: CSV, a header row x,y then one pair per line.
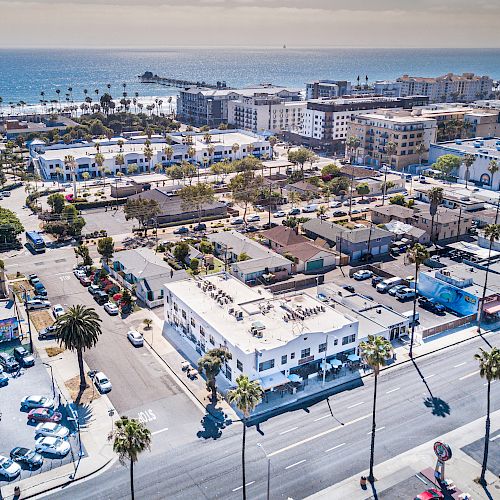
x,y
44,415
85,281
429,495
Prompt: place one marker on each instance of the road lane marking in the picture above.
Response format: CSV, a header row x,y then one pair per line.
x,y
430,376
296,463
495,438
159,431
321,434
335,447
393,390
460,364
288,430
241,487
469,375
357,404
321,418
376,430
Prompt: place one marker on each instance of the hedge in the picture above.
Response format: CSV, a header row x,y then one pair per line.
x,y
98,204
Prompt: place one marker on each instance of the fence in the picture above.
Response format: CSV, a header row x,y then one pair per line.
x,y
448,325
291,285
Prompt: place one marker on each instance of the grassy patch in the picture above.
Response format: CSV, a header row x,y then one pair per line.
x,y
89,394
41,319
54,351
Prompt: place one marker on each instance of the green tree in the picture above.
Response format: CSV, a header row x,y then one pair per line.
x,y
168,151
448,164
398,199
120,161
322,210
206,247
331,170
174,172
339,185
273,140
106,247
78,329
130,438
188,171
417,254
181,251
243,256
391,148
489,368
468,160
435,196
142,210
363,189
83,252
196,197
56,202
245,187
85,177
300,157
194,264
420,151
148,153
375,352
210,364
352,145
246,397
492,169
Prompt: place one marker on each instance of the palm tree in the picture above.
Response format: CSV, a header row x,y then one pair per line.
x,y
207,137
168,151
352,144
491,232
416,254
468,160
120,161
420,151
435,196
391,148
489,368
211,364
235,148
148,153
78,329
375,352
191,152
294,198
492,169
273,140
130,438
246,397
321,211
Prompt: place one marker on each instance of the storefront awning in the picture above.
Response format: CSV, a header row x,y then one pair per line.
x,y
274,380
493,307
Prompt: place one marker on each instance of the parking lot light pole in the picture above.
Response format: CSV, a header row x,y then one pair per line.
x,y
52,379
268,471
28,317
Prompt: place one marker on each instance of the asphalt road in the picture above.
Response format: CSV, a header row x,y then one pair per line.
x,y
310,449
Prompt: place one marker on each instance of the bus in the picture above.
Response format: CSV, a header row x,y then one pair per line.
x,y
35,241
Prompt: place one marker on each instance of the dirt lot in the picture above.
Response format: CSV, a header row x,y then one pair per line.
x,y
41,319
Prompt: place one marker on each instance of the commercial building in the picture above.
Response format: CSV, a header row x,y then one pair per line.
x,y
13,128
120,154
268,337
327,89
485,150
201,106
375,130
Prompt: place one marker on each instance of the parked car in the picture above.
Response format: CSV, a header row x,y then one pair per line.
x,y
30,402
339,213
40,289
269,225
252,229
181,230
406,293
26,456
111,309
47,333
431,305
431,494
33,278
23,357
102,382
51,429
200,227
253,218
93,289
8,362
364,274
57,310
79,272
37,304
6,193
4,379
294,211
324,216
310,208
336,204
376,280
84,281
44,415
135,338
395,289
349,288
101,297
8,468
279,213
237,222
52,446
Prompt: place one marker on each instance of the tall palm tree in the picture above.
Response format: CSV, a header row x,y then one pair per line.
x,y
435,196
352,144
273,140
375,352
191,152
120,161
468,160
207,137
489,368
210,364
492,233
420,151
168,151
130,438
210,151
492,169
416,254
148,153
235,148
78,329
391,148
246,397
71,165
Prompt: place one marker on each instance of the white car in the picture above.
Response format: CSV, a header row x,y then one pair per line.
x,y
279,213
57,310
111,309
135,338
237,221
102,382
336,204
362,275
8,468
253,218
37,304
51,429
52,445
30,402
405,293
79,272
310,208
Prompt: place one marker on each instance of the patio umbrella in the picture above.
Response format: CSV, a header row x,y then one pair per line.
x,y
353,357
293,377
336,363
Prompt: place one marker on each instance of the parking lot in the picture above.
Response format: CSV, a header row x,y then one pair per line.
x,y
15,430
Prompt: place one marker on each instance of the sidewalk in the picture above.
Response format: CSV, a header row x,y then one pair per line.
x,y
393,473
96,422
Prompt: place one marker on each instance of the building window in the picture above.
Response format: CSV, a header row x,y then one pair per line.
x,y
211,339
335,341
284,359
322,347
184,315
239,365
305,353
292,355
229,373
175,306
349,339
202,331
192,322
266,365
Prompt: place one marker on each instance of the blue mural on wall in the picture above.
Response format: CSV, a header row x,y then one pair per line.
x,y
452,297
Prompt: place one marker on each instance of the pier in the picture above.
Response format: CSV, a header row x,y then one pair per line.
x,y
148,77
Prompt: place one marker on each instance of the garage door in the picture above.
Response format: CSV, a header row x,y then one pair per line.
x,y
314,265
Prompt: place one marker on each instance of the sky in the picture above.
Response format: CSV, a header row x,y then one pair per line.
x,y
296,23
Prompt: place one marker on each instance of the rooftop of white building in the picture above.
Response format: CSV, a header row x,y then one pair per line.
x,y
278,320
393,116
478,146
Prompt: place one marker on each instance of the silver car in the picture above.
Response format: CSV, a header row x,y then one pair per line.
x,y
51,429
30,402
102,382
52,445
135,338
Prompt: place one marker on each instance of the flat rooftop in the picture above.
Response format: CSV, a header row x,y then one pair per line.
x,y
489,146
279,319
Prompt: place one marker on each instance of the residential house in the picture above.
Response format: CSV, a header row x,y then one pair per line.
x,y
304,189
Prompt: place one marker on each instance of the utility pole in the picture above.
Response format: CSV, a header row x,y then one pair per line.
x,y
268,496
28,317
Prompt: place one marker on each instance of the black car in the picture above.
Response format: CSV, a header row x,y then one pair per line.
x,y
349,288
200,227
8,362
47,333
26,456
101,297
24,357
252,229
339,213
268,225
376,280
431,305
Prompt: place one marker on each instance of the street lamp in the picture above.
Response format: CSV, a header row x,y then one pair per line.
x,y
52,379
268,471
27,316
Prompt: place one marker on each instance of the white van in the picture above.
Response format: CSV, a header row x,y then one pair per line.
x,y
310,208
385,285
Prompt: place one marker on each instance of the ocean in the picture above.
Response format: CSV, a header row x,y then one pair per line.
x,y
24,73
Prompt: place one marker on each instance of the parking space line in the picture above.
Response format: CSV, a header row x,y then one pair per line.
x,y
296,463
288,430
